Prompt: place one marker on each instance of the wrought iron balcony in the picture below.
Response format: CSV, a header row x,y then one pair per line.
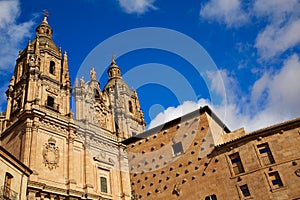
x,y
8,194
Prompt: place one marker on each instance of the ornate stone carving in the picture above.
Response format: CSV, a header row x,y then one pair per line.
x,y
49,125
52,90
33,60
81,82
102,154
51,154
71,139
102,157
111,161
93,74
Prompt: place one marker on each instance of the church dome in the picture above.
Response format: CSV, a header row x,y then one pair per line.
x,y
115,79
44,36
44,29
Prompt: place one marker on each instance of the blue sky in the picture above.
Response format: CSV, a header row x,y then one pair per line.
x,y
254,45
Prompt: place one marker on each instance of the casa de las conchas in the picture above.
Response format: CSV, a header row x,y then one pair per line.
x,y
103,152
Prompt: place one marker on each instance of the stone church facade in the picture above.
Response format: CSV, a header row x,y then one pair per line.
x,y
81,158
104,152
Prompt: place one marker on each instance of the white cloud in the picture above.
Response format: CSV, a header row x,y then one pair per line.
x,y
283,28
137,6
12,34
175,112
275,10
228,12
3,97
279,21
275,96
277,93
283,92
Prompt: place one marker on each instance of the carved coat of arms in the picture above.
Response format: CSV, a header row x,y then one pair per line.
x,y
51,154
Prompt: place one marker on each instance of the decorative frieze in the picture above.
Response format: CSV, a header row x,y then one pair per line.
x,y
52,90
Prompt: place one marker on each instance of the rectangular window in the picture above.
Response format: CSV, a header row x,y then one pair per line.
x,y
275,179
130,106
236,163
265,154
50,102
103,182
245,190
177,148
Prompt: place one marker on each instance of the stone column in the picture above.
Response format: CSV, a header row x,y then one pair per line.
x,y
33,149
26,142
8,110
70,168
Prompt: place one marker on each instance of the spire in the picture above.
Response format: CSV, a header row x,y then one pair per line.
x,y
113,59
65,63
45,20
44,29
114,70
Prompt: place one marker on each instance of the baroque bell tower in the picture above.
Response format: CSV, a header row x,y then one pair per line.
x,y
41,77
128,116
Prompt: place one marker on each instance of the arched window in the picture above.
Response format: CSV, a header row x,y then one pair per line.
x,y
7,186
130,106
52,67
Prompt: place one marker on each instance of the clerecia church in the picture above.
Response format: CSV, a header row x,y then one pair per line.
x,y
105,153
